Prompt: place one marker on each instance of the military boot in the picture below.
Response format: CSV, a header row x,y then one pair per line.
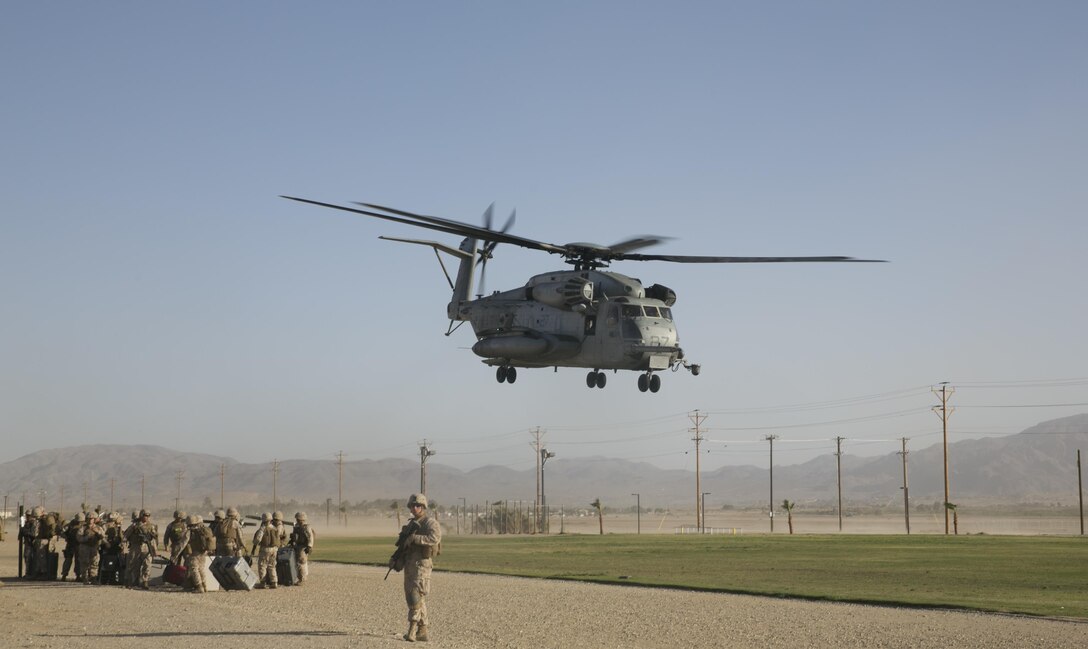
x,y
412,632
421,632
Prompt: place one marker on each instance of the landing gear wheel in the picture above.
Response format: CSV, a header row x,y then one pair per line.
x,y
643,383
601,379
511,375
655,383
500,374
591,380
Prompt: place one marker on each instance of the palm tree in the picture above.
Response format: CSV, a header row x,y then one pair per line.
x,y
955,518
788,506
596,504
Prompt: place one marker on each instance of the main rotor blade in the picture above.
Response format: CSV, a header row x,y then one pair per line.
x,y
441,228
634,243
474,231
697,259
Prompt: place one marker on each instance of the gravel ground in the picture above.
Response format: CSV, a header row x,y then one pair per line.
x,y
351,606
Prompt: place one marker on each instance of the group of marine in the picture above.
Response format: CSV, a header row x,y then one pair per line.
x,y
93,538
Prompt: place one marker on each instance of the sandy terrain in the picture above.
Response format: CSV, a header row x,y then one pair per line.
x,y
351,606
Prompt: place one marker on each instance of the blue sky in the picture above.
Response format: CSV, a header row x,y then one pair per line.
x,y
157,290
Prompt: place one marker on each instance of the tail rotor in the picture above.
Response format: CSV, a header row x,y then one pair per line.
x,y
489,245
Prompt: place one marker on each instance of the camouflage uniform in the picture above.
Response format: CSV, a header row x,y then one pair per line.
x,y
71,545
90,536
302,539
143,544
198,544
228,536
115,543
281,529
420,546
171,538
217,522
267,538
45,544
29,534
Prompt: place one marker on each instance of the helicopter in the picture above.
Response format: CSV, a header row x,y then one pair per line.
x,y
584,317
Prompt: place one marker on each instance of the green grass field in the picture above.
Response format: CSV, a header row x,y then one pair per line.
x,y
1012,574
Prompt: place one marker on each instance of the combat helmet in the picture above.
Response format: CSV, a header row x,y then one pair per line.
x,y
144,512
80,517
266,517
232,513
180,515
300,517
277,516
219,513
194,519
417,499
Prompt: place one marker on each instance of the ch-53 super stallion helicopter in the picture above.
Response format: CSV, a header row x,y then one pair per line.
x,y
585,317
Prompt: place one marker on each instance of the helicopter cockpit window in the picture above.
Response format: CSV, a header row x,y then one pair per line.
x,y
652,311
631,311
666,313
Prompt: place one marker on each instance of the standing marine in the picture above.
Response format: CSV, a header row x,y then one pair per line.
x,y
28,534
302,540
171,538
228,536
196,544
90,537
143,544
71,545
420,540
267,538
46,543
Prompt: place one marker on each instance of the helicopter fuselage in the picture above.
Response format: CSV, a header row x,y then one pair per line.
x,y
580,318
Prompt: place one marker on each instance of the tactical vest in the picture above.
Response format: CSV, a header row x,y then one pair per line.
x,y
200,540
47,528
270,537
299,536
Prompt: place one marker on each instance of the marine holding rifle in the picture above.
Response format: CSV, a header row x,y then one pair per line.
x,y
419,541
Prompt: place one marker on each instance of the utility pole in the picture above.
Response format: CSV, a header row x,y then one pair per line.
x,y
703,512
111,493
538,449
84,496
463,514
142,480
222,485
61,510
771,438
424,453
943,412
1080,494
545,454
638,513
838,474
698,419
275,475
177,501
340,488
906,491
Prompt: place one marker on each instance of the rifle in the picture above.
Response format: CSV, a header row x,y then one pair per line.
x,y
151,539
398,554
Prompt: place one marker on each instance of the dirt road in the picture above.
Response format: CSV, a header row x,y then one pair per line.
x,y
351,606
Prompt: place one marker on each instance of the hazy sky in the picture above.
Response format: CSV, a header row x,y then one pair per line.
x,y
156,290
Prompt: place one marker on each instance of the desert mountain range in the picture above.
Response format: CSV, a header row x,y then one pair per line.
x,y
1037,465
